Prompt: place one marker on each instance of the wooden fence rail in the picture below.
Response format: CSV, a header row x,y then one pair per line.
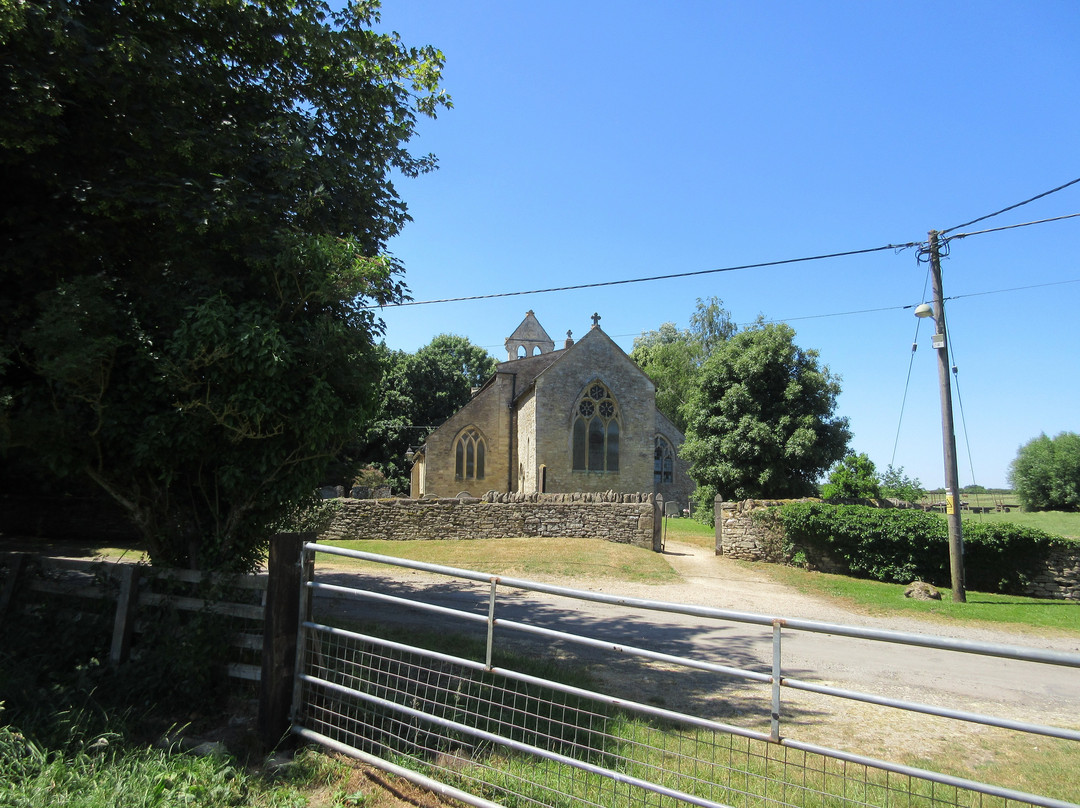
x,y
264,607
136,588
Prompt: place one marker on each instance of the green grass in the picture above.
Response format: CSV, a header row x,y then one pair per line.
x,y
733,770
109,771
1056,523
690,531
537,558
873,597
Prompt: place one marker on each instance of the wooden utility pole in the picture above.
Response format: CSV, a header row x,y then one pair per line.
x,y
948,435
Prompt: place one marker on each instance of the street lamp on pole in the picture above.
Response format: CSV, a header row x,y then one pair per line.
x,y
948,434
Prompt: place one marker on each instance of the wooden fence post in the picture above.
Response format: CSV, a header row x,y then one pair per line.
x,y
124,623
279,637
16,565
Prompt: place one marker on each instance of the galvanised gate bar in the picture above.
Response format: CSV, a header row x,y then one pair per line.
x,y
488,735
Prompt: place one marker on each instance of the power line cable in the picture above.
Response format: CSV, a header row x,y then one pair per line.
x,y
911,364
758,265
1014,226
600,284
1014,289
959,399
899,308
1012,207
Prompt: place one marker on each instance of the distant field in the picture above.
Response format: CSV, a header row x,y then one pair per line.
x,y
1057,523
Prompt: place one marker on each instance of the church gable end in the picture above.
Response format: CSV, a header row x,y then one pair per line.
x,y
595,423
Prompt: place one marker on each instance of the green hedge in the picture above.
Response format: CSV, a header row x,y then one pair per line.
x,y
903,545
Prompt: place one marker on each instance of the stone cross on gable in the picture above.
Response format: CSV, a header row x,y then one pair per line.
x,y
595,320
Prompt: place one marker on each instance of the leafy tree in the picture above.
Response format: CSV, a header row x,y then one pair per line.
x,y
669,357
854,477
197,203
462,364
710,326
761,421
897,485
673,357
1046,473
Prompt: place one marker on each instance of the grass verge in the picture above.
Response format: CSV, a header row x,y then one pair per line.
x,y
873,597
533,558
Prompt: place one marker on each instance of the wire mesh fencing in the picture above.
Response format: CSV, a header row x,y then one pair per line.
x,y
498,733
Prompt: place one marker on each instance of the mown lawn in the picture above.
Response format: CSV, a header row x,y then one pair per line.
x,y
533,558
1057,523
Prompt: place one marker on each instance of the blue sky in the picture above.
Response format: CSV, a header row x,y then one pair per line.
x,y
601,141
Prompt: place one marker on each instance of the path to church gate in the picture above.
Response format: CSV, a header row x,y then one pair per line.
x,y
707,580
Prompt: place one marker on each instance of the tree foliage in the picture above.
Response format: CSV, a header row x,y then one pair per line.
x,y
761,421
672,357
854,477
1046,473
197,203
897,485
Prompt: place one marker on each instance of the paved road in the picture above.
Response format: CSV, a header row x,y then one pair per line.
x,y
1017,690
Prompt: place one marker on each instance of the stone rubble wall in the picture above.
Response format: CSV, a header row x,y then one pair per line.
x,y
739,535
623,518
1060,579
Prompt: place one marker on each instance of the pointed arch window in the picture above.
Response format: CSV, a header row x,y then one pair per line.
x,y
595,434
469,451
664,464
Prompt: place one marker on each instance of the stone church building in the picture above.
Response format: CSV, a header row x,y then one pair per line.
x,y
582,418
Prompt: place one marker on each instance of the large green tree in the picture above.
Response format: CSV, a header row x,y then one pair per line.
x,y
761,421
197,201
853,477
672,357
1046,473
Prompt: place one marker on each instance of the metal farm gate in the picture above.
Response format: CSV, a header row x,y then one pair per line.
x,y
436,703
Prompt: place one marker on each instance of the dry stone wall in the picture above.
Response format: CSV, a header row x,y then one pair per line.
x,y
1060,579
740,535
624,518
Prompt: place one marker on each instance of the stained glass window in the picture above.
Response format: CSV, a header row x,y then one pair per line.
x,y
595,434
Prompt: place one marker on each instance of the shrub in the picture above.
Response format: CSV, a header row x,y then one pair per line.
x,y
1003,557
899,546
